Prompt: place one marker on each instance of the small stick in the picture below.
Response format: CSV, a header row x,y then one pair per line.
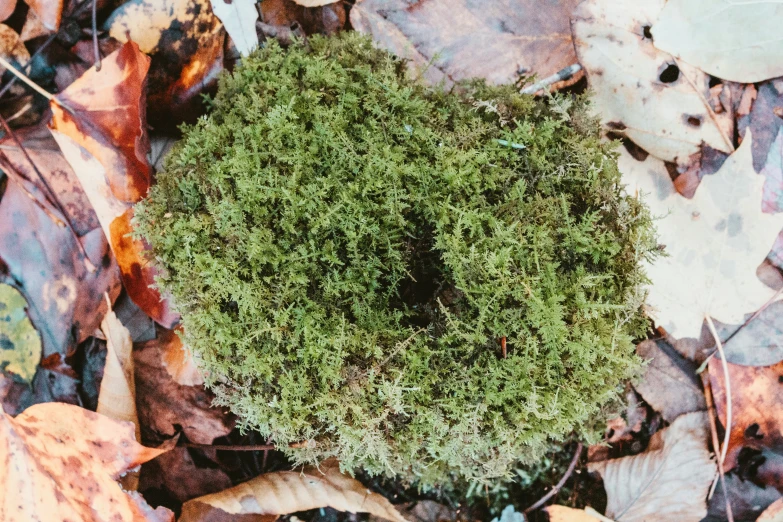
x,y
29,64
26,80
503,346
725,366
559,76
95,35
559,485
705,380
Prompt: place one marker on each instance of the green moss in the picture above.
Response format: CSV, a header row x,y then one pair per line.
x,y
348,247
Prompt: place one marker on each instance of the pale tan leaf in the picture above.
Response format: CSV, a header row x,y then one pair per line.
x,y
286,492
61,462
239,18
714,242
738,40
639,91
567,514
11,47
774,513
178,360
669,481
314,3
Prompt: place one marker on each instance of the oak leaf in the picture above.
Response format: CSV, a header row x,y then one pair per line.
x,y
286,492
736,41
669,481
62,462
640,92
713,243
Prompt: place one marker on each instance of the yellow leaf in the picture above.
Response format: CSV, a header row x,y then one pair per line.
x,y
20,345
567,514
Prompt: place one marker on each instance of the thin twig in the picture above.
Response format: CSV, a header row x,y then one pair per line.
x,y
26,80
559,485
705,380
50,193
725,366
561,75
38,51
95,47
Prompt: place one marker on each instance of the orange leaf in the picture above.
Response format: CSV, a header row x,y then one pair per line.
x,y
61,462
105,115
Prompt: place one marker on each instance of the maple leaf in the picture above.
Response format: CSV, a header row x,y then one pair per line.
x,y
714,243
62,462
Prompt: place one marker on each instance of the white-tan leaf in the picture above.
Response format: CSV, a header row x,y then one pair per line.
x,y
314,3
668,115
670,481
239,18
286,492
714,242
736,40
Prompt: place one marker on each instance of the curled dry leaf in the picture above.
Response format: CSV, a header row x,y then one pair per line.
x,y
239,18
20,345
757,406
714,243
737,41
641,92
61,462
286,492
165,406
460,39
185,41
669,481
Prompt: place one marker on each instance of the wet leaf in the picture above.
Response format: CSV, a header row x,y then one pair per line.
x,y
493,39
757,406
239,18
669,481
286,492
714,243
640,92
20,346
61,462
737,41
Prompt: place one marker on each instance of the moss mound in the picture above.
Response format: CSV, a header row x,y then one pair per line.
x,y
416,281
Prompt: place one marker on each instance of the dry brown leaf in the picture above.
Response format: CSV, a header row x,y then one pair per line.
x,y
176,473
12,48
567,514
492,39
283,14
669,384
7,8
178,359
669,481
774,513
640,92
757,404
286,492
165,406
43,18
185,41
61,462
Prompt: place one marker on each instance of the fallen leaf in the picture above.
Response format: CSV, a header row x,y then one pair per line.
x,y
757,343
43,18
462,39
286,492
314,3
669,481
747,499
185,41
281,15
167,407
669,383
639,91
61,462
178,359
713,243
239,18
567,514
773,171
426,511
737,41
757,406
774,513
20,346
12,48
7,9
765,120
176,473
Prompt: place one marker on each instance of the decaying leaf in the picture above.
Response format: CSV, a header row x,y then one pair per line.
x,y
281,15
62,462
747,499
176,473
290,491
670,384
757,406
669,481
460,39
314,3
764,119
714,243
43,18
7,9
757,343
774,513
640,92
185,41
20,346
12,48
166,406
117,398
567,514
734,40
178,359
239,18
